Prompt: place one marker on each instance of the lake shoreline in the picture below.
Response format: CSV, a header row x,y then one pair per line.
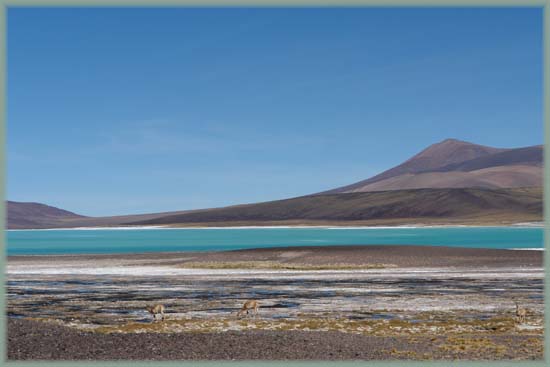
x,y
390,255
345,225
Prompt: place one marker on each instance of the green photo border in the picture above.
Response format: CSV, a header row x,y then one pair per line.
x,y
544,4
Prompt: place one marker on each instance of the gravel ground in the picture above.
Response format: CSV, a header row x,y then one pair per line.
x,y
44,341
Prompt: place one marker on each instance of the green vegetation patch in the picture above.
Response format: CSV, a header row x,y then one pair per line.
x,y
273,265
396,327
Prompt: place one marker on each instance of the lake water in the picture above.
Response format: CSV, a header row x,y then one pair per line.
x,y
105,241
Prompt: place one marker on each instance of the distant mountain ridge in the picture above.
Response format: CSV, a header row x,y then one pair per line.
x,y
452,180
35,215
39,216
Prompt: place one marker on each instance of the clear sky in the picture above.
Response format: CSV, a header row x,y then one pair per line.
x,y
118,111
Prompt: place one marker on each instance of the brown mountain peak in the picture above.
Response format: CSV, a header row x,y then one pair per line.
x,y
448,152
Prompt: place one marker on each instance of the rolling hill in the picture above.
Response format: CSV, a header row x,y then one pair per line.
x,y
403,206
36,215
41,216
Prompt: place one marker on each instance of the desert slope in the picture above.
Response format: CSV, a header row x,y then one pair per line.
x,y
33,215
528,156
491,177
41,216
453,164
437,206
406,206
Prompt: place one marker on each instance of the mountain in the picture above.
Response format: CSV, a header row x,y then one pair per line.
x,y
529,156
36,215
427,206
455,164
403,206
449,182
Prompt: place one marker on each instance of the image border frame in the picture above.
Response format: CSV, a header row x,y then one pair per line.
x,y
5,4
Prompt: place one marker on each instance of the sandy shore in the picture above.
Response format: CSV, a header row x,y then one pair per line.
x,y
397,255
344,302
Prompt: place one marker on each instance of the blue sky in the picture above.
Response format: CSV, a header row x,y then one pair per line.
x,y
116,111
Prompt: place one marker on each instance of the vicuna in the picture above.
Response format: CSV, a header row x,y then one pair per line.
x,y
156,310
249,305
520,313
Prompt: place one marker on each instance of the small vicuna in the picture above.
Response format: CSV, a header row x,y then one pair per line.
x,y
247,306
156,310
520,313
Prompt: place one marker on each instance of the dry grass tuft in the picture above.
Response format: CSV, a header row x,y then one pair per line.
x,y
273,265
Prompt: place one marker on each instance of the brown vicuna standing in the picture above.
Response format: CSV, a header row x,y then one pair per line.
x,y
249,305
156,310
520,314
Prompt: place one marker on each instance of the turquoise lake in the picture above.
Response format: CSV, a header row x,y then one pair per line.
x,y
103,241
